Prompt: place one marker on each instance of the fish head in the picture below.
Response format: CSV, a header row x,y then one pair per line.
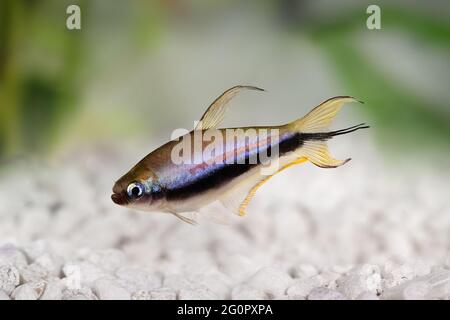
x,y
138,189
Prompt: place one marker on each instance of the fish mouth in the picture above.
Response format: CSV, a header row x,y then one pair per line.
x,y
119,198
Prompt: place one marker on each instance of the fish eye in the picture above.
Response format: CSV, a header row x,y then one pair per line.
x,y
135,190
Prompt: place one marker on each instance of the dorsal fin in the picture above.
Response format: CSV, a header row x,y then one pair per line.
x,y
215,113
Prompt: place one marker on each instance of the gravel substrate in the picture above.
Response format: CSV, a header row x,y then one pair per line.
x,y
362,231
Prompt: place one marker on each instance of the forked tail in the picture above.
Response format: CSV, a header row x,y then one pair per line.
x,y
313,129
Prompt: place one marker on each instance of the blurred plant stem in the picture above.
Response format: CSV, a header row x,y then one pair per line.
x,y
34,97
45,68
10,32
399,116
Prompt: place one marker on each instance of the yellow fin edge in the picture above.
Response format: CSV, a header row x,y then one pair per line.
x,y
252,192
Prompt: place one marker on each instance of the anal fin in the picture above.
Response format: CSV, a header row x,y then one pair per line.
x,y
241,195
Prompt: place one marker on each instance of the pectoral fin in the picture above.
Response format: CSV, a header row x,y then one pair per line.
x,y
184,218
215,113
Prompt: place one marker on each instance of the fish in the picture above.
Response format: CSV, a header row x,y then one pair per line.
x,y
234,170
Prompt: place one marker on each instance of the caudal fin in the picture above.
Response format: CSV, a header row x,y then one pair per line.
x,y
314,132
320,118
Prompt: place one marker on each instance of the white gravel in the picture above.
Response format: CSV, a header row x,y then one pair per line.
x,y
363,231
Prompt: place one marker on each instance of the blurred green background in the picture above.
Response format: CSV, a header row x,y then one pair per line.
x,y
139,69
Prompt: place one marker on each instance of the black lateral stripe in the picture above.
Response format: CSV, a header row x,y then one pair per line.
x,y
228,172
323,136
213,180
349,130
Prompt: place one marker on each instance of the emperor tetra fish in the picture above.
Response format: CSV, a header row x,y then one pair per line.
x,y
231,172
